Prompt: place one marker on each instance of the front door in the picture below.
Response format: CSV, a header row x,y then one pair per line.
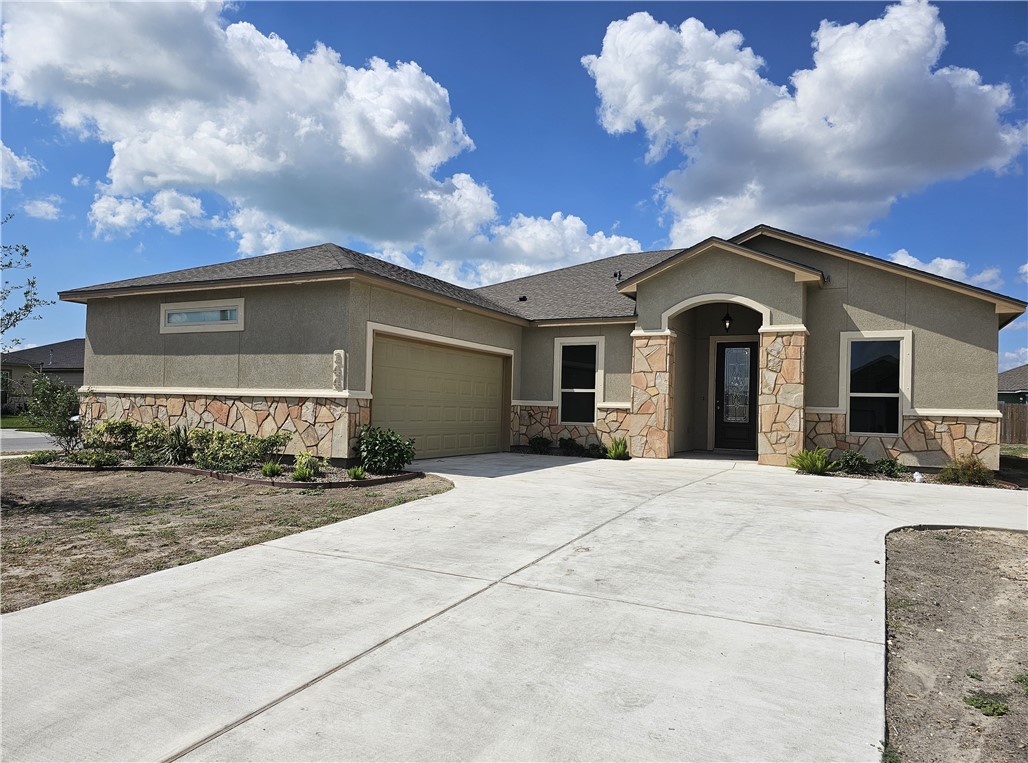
x,y
735,396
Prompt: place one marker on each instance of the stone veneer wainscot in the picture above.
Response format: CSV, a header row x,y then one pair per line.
x,y
929,441
328,427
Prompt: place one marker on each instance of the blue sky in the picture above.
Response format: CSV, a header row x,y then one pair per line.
x,y
483,141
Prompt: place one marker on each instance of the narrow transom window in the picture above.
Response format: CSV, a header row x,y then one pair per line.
x,y
210,315
874,386
578,383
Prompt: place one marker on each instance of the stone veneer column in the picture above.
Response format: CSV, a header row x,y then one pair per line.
x,y
649,422
781,410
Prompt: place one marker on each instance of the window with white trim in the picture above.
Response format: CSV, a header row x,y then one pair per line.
x,y
875,397
578,371
208,315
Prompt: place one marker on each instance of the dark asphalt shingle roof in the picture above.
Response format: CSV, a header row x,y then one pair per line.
x,y
59,356
588,290
1014,380
320,259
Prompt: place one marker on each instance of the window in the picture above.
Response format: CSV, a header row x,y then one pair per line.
x,y
578,364
874,386
211,315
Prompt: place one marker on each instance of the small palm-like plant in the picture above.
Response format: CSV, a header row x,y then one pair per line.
x,y
618,449
356,473
816,461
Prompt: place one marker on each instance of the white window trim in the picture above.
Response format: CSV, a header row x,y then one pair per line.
x,y
235,303
558,345
906,339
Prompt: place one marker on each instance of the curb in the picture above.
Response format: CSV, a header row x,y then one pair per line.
x,y
226,477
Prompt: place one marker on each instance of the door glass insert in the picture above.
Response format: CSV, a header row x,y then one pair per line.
x,y
737,385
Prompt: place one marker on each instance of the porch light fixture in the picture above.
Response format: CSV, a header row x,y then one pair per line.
x,y
727,320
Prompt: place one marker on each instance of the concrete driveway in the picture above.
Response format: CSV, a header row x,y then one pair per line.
x,y
545,609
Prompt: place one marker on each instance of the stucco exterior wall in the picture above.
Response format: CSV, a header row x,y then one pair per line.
x,y
289,335
955,338
717,272
537,371
375,304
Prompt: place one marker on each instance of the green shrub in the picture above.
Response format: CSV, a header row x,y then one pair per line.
x,y
356,473
113,434
42,457
53,409
307,461
233,451
382,451
888,467
570,447
177,449
966,470
271,469
302,474
596,450
540,445
94,458
815,461
852,462
151,442
618,449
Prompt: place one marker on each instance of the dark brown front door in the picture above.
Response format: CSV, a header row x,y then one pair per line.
x,y
735,396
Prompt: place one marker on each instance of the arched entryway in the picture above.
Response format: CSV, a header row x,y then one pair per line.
x,y
716,374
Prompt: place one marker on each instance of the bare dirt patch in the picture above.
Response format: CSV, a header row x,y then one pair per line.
x,y
957,620
65,532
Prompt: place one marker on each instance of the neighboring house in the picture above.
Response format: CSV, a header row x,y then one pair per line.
x,y
766,342
1013,385
62,360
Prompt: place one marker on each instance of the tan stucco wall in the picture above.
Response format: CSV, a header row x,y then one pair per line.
x,y
378,305
955,338
289,336
716,272
537,369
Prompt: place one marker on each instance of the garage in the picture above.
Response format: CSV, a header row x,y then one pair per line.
x,y
449,400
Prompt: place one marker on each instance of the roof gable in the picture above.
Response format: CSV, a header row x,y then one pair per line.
x,y
802,273
1008,307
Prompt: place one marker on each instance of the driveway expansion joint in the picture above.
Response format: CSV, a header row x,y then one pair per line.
x,y
692,613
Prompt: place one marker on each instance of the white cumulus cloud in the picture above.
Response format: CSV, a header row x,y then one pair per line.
x,y
302,147
15,169
874,118
1023,272
957,270
1008,360
46,208
79,181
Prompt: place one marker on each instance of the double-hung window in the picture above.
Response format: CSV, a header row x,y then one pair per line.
x,y
209,315
875,368
578,386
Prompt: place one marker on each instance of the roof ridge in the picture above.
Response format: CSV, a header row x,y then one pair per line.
x,y
576,265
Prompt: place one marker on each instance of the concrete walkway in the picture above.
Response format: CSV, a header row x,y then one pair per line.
x,y
545,609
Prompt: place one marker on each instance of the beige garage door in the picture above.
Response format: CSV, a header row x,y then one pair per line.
x,y
448,400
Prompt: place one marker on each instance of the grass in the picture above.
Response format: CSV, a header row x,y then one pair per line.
x,y
992,705
1015,451
17,422
1021,679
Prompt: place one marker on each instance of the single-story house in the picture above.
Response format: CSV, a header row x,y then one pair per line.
x,y
1013,385
63,360
766,342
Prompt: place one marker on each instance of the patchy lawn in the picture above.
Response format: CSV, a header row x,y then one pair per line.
x,y
956,608
66,532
